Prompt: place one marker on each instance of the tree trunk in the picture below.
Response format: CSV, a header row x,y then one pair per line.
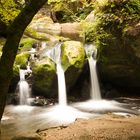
x,y
10,48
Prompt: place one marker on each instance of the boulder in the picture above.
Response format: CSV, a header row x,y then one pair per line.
x,y
72,31
26,44
73,59
22,59
44,72
44,78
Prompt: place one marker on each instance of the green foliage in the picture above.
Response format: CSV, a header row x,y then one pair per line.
x,y
111,18
8,11
26,44
71,10
22,59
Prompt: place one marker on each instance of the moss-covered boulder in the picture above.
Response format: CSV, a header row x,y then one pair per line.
x,y
116,31
44,78
26,44
22,59
73,58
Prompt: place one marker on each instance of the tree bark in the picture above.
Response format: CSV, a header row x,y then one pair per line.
x,y
10,48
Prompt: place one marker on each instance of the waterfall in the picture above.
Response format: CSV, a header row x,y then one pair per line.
x,y
61,85
55,55
95,89
24,91
32,53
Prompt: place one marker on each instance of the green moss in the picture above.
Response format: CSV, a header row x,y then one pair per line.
x,y
73,58
116,33
8,11
73,54
44,74
72,10
109,30
36,35
22,59
26,44
111,17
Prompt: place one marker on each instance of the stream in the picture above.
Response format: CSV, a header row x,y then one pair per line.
x,y
23,119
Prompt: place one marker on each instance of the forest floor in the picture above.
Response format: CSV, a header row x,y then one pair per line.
x,y
106,127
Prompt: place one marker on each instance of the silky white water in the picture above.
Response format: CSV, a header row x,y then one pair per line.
x,y
55,55
32,53
91,53
62,98
24,91
96,104
61,113
95,89
62,95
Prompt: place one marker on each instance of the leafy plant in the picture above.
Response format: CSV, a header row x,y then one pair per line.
x,y
71,10
8,11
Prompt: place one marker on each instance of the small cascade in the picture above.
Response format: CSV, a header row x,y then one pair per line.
x,y
55,54
24,90
32,52
95,88
96,104
62,98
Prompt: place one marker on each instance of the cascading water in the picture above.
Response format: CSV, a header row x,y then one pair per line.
x,y
62,98
96,104
95,88
24,90
32,52
55,54
56,113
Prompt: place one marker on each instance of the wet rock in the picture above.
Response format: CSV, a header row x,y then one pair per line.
x,y
39,101
44,72
44,78
73,58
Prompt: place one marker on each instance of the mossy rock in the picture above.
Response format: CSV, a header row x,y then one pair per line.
x,y
44,78
73,54
116,32
22,59
26,44
73,58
